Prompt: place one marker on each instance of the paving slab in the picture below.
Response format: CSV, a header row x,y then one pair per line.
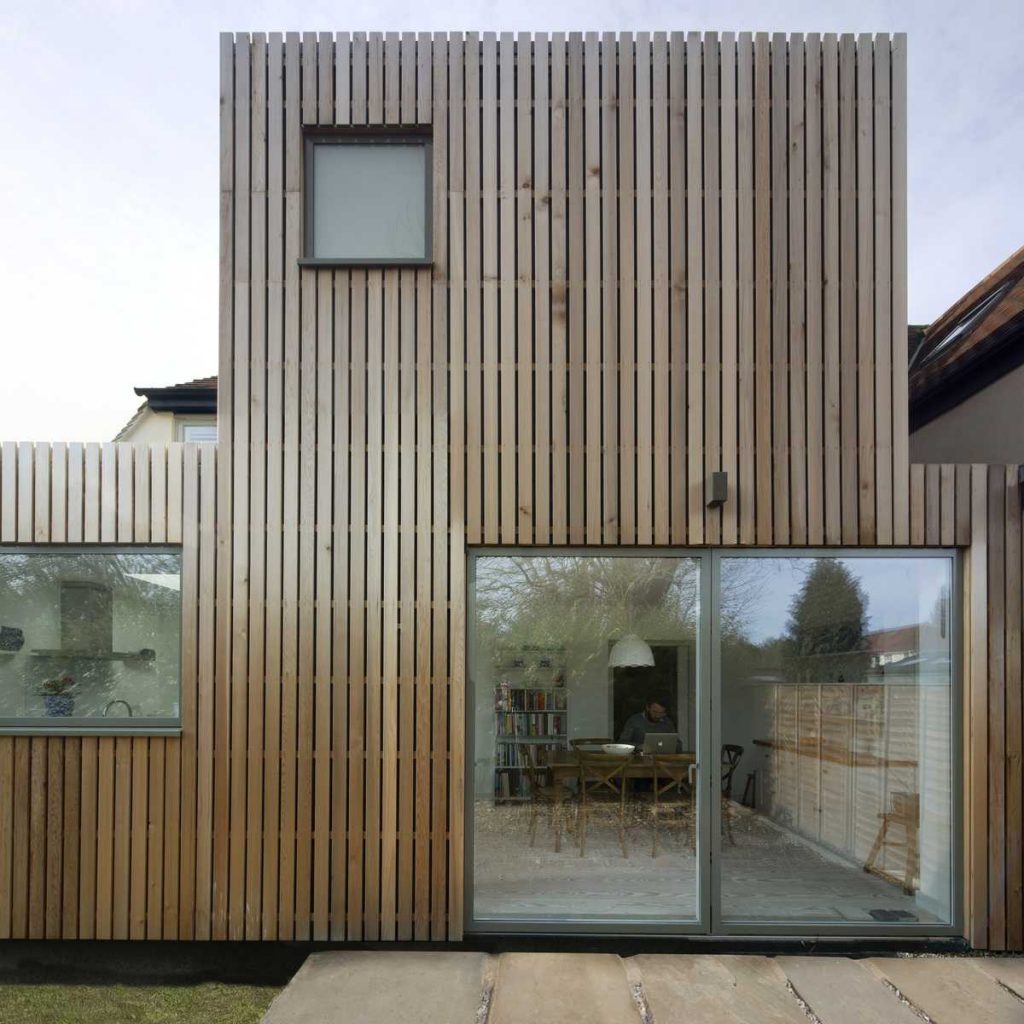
x,y
363,987
562,988
842,991
683,989
951,990
1008,970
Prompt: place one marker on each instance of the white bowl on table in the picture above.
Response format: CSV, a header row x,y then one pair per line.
x,y
618,748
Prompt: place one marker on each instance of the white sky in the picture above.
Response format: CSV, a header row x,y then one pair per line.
x,y
108,167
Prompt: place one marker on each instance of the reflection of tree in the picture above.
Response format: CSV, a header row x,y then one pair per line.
x,y
742,594
743,581
24,574
743,660
555,602
89,614
825,635
140,600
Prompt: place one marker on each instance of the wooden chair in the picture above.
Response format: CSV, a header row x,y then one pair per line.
x,y
731,754
904,811
671,775
602,782
544,792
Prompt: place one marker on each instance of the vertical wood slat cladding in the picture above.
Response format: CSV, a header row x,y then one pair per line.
x,y
567,371
100,836
619,302
105,837
353,487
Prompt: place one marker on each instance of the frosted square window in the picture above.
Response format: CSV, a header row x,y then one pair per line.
x,y
367,198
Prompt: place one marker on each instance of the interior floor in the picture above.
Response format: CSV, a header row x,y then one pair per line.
x,y
767,874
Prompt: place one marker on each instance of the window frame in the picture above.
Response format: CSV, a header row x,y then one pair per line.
x,y
184,423
712,925
415,136
110,726
910,931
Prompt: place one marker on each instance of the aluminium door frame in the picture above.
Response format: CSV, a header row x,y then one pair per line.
x,y
623,926
709,921
827,929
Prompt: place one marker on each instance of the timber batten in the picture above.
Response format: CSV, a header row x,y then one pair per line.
x,y
619,303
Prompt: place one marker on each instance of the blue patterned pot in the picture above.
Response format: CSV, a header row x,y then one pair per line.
x,y
58,705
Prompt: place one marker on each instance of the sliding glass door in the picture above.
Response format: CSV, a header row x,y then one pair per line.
x,y
836,690
585,680
737,742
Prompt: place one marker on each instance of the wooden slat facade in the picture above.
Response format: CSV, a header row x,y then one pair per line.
x,y
106,837
654,256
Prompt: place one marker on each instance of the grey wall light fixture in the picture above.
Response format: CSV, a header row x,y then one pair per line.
x,y
717,489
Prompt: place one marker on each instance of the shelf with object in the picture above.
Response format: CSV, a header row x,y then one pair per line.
x,y
533,667
536,716
61,655
512,768
516,724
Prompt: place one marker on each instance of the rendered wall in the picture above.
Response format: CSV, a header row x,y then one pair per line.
x,y
987,427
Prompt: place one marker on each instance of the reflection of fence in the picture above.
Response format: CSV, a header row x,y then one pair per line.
x,y
838,752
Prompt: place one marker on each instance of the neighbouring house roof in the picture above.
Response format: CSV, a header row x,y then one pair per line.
x,y
979,339
915,335
196,396
895,640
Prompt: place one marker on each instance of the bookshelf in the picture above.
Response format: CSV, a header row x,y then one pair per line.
x,y
531,706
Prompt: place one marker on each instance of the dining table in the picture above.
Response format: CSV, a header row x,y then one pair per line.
x,y
563,765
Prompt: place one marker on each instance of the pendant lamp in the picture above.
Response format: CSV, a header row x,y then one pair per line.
x,y
631,652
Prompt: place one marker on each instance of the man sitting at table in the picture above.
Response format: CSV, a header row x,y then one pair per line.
x,y
653,718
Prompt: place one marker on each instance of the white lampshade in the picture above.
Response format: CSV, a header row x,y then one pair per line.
x,y
631,652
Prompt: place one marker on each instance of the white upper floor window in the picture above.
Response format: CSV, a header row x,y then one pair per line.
x,y
198,431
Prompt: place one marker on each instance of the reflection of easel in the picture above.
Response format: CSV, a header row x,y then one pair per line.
x,y
904,810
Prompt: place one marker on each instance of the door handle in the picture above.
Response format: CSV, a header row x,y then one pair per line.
x,y
689,772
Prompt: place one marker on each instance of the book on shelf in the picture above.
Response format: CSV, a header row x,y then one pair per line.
x,y
522,723
510,753
523,698
526,716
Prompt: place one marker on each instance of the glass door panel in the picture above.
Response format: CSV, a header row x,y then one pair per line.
x,y
570,653
837,801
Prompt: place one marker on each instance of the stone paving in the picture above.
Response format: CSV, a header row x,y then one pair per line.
x,y
601,988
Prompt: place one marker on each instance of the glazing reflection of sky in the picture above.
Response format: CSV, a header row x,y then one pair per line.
x,y
899,591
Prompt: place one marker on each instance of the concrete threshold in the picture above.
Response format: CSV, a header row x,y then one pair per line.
x,y
414,987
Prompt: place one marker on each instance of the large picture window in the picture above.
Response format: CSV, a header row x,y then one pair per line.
x,y
731,742
584,675
368,199
837,689
90,639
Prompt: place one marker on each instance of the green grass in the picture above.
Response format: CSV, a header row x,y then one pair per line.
x,y
209,1003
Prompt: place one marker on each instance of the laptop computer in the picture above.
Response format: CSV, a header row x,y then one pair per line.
x,y
661,742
